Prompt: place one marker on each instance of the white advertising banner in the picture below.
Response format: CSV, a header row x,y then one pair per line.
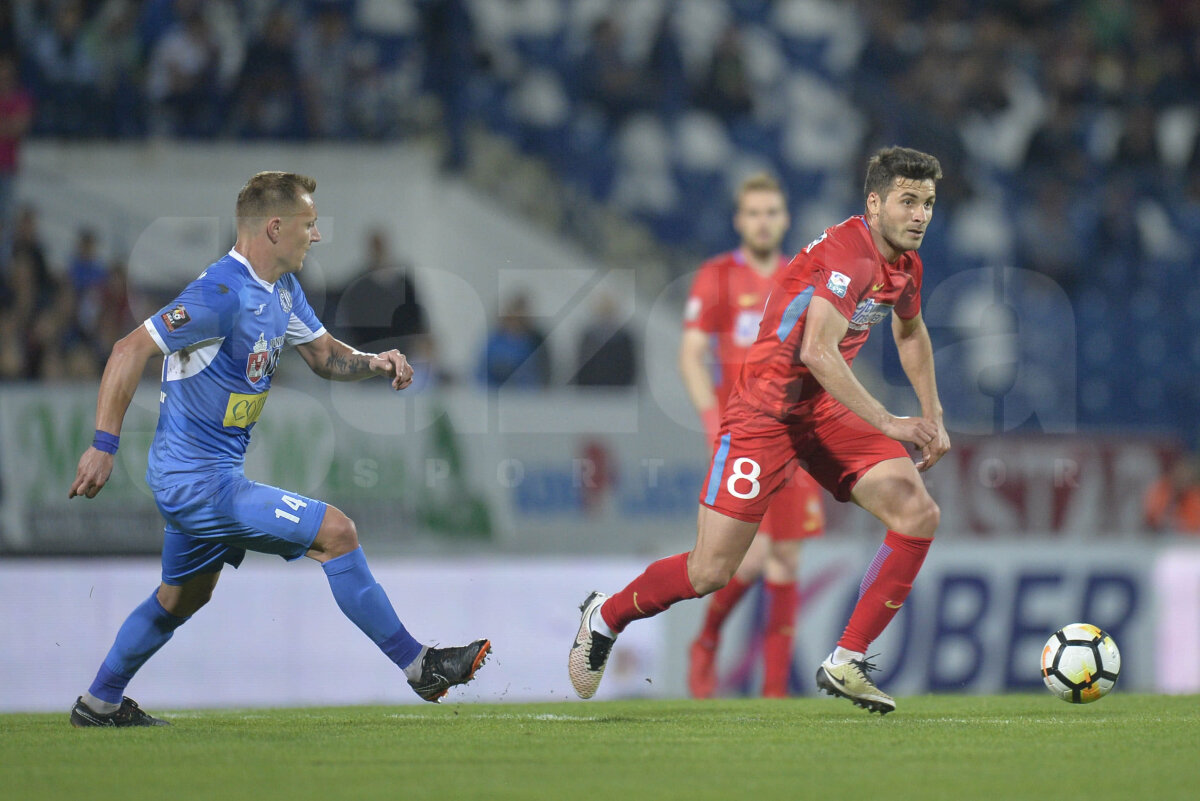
x,y
1177,644
273,635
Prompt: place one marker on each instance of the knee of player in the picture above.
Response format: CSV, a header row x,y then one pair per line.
x,y
185,601
709,576
913,512
341,535
924,515
203,595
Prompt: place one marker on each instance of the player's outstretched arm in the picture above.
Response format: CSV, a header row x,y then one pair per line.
x,y
916,356
333,359
117,385
824,328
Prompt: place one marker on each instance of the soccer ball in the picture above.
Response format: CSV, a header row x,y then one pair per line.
x,y
1080,663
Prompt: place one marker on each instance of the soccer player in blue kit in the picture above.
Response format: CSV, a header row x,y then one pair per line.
x,y
222,337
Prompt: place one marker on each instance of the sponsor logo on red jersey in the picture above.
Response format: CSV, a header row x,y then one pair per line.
x,y
868,313
838,283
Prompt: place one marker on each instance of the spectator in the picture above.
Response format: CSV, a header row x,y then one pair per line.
x,y
1137,154
85,269
51,332
12,347
448,33
607,78
183,78
67,73
324,56
667,69
27,245
18,306
117,319
1172,503
725,90
380,308
515,354
1118,240
607,352
1052,234
112,37
268,101
16,116
88,277
1059,145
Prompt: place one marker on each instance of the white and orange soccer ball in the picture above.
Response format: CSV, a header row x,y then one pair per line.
x,y
1080,663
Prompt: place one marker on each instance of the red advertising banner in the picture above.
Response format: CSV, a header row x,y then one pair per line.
x,y
1068,485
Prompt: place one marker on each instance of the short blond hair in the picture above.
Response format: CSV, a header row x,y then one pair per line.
x,y
759,182
272,193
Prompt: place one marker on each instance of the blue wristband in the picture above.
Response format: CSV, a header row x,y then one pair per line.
x,y
104,441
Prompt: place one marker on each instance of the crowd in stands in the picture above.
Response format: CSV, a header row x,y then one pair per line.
x,y
1067,128
59,323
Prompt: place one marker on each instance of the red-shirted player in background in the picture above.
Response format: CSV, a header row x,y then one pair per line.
x,y
797,399
721,322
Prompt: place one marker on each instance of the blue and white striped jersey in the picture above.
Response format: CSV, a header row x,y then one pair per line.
x,y
222,337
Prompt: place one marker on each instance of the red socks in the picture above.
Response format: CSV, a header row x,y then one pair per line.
x,y
719,606
663,583
884,588
782,600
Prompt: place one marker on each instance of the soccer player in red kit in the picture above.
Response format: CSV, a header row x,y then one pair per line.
x,y
797,399
721,322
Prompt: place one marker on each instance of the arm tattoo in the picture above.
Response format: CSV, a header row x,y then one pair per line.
x,y
348,365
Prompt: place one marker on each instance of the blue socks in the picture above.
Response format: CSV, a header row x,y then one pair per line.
x,y
147,629
359,596
362,600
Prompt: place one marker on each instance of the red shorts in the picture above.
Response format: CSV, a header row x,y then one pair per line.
x,y
796,510
757,456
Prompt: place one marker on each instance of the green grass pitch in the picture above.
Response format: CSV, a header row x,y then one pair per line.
x,y
1125,746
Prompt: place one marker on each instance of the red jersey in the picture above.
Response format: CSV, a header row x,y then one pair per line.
x,y
726,301
844,267
12,104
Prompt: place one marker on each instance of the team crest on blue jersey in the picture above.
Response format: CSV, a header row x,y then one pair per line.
x,y
258,361
175,318
264,358
285,299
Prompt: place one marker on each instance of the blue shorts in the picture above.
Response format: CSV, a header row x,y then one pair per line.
x,y
214,520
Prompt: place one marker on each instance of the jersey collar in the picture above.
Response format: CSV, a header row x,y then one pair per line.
x,y
245,263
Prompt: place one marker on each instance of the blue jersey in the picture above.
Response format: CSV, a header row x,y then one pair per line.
x,y
222,337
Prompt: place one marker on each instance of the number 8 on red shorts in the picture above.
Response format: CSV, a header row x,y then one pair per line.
x,y
746,471
757,455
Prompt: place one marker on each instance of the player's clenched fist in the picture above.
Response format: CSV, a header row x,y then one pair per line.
x,y
926,434
935,450
393,363
92,474
917,430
